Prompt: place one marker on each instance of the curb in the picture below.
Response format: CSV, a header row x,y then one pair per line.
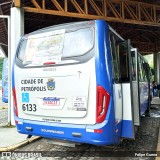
x,y
13,147
158,144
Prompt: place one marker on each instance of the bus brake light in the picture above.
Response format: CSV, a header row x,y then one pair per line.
x,y
15,102
102,104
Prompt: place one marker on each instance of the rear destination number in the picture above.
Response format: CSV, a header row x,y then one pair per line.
x,y
29,107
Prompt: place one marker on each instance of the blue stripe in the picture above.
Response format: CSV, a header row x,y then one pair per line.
x,y
65,131
104,75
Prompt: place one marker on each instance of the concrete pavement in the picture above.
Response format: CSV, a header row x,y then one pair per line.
x,y
10,139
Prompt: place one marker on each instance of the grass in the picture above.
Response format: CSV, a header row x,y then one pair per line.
x,y
3,107
8,126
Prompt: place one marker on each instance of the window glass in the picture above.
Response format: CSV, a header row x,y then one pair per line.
x,y
114,59
52,47
78,43
133,65
140,70
124,65
146,70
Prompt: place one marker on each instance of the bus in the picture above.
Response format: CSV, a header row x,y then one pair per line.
x,y
5,81
79,82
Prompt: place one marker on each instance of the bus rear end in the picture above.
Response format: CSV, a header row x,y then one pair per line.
x,y
55,88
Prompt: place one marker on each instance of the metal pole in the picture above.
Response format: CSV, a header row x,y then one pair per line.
x,y
9,68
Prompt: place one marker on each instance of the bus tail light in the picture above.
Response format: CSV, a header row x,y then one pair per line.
x,y
2,91
15,102
98,130
102,104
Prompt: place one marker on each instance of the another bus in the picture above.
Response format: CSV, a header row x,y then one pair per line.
x,y
78,82
5,81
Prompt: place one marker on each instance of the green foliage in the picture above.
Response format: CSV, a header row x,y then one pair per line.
x,y
1,67
149,58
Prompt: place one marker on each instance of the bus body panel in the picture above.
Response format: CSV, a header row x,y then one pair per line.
x,y
103,57
104,65
72,84
72,132
135,86
127,124
136,104
118,107
104,72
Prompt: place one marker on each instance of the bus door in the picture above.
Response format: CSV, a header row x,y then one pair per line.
x,y
117,89
135,86
124,52
144,86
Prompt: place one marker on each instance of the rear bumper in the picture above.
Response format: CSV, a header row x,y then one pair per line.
x,y
71,132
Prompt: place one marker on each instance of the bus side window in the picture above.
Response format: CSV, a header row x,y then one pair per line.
x,y
114,59
140,70
145,70
124,65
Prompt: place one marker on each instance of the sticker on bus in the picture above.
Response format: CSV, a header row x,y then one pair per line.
x,y
51,84
25,97
49,101
79,103
44,48
55,103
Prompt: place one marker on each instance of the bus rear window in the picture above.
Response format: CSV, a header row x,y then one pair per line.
x,y
53,46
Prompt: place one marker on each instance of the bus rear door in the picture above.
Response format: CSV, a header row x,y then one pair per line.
x,y
135,86
124,52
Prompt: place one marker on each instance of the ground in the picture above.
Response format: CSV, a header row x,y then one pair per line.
x,y
146,140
